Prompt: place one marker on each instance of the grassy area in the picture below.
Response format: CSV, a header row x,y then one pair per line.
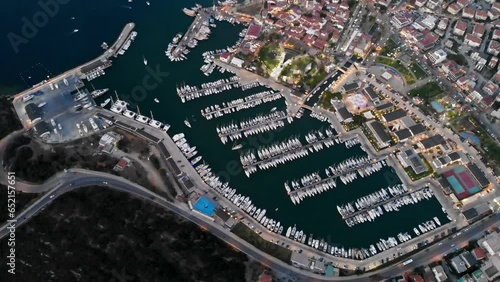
x,y
247,234
427,92
370,138
324,100
269,55
418,71
313,80
407,74
489,145
298,64
388,47
301,74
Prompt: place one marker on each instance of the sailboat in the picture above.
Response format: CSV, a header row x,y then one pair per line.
x,y
147,3
145,61
156,100
186,122
236,146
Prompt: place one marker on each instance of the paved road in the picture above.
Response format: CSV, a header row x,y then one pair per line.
x,y
77,178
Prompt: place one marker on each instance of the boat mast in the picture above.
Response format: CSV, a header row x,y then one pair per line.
x,y
139,111
151,112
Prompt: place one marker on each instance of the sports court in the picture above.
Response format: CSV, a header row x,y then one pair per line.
x,y
462,183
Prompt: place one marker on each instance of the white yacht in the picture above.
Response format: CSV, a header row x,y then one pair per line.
x,y
105,103
195,161
141,118
154,123
186,122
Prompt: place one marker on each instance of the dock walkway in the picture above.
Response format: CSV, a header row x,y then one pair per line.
x,y
326,180
303,147
190,33
253,126
375,205
242,104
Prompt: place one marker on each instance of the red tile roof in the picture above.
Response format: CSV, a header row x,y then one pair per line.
x,y
461,25
253,30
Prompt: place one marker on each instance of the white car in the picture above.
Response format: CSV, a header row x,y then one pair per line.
x,y
51,196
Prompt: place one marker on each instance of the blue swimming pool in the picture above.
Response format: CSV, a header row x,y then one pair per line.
x,y
205,206
437,106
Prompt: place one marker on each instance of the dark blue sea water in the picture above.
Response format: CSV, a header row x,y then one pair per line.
x,y
54,48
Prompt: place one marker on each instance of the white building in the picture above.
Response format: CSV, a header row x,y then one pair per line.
x,y
438,56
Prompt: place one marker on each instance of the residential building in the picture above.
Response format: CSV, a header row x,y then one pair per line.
x,y
491,268
496,34
433,4
493,48
478,30
472,40
490,88
429,22
420,3
479,253
493,62
439,273
452,70
402,19
458,264
481,15
437,57
491,243
454,9
493,14
392,116
460,28
468,13
443,24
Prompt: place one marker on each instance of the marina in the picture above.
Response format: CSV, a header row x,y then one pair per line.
x,y
317,217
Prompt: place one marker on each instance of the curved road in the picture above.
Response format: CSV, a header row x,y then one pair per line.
x,y
77,178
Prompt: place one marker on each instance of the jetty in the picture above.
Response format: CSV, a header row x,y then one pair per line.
x,y
189,39
381,203
248,102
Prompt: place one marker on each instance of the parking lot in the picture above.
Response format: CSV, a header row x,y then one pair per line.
x,y
59,111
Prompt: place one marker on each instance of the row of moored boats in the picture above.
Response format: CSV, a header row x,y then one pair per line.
x,y
371,214
188,93
239,104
